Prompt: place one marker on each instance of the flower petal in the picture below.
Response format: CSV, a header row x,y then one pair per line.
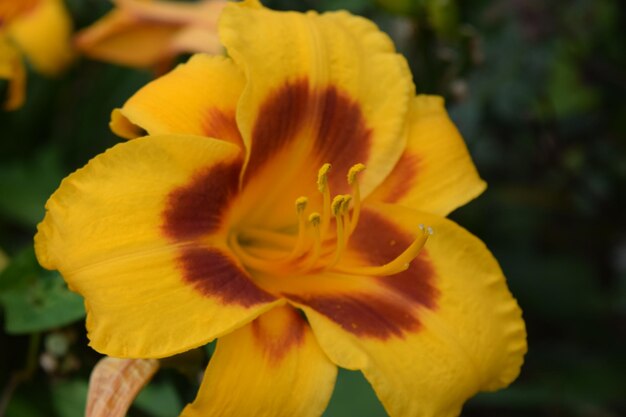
x,y
432,337
435,173
337,92
43,34
198,98
125,39
12,69
139,233
146,34
115,383
271,367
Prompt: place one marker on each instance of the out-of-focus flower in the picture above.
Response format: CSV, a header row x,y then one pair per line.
x,y
114,384
247,209
39,30
150,33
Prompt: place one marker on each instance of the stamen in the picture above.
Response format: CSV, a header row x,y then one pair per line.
x,y
301,203
314,221
345,207
356,195
322,186
399,264
337,204
354,170
338,211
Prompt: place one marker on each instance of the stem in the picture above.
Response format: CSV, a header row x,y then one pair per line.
x,y
23,374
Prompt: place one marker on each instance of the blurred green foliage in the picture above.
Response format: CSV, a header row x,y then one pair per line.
x,y
537,89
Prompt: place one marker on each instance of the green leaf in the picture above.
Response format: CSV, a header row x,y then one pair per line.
x,y
355,6
26,185
159,399
69,398
35,299
354,396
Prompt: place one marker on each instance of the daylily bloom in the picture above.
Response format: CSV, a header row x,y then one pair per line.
x,y
151,33
38,29
283,202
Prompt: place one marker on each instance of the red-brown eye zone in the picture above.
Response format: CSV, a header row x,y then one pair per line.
x,y
197,208
277,344
213,273
339,132
392,311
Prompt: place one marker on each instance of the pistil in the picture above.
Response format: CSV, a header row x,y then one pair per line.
x,y
322,186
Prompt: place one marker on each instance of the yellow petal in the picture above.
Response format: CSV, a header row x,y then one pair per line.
x,y
336,91
427,344
43,35
12,69
198,97
272,367
149,33
124,39
435,173
114,383
196,39
139,233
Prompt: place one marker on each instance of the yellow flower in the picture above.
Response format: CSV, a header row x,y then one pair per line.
x,y
150,33
227,222
38,29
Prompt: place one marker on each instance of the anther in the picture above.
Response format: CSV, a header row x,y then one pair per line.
x,y
345,206
301,203
299,247
353,181
352,173
322,177
322,186
314,256
337,205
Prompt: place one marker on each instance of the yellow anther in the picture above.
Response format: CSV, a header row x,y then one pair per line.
x,y
354,170
313,256
315,218
337,205
301,203
356,196
322,186
345,207
301,243
322,177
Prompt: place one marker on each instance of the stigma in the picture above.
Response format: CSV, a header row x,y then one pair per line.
x,y
322,237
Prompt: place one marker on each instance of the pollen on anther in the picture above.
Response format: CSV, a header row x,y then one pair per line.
x,y
345,206
301,203
337,204
352,173
315,218
322,177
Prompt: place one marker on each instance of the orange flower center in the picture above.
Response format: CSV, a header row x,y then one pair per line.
x,y
316,247
11,9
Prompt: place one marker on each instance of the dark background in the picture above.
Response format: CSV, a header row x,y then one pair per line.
x,y
537,89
